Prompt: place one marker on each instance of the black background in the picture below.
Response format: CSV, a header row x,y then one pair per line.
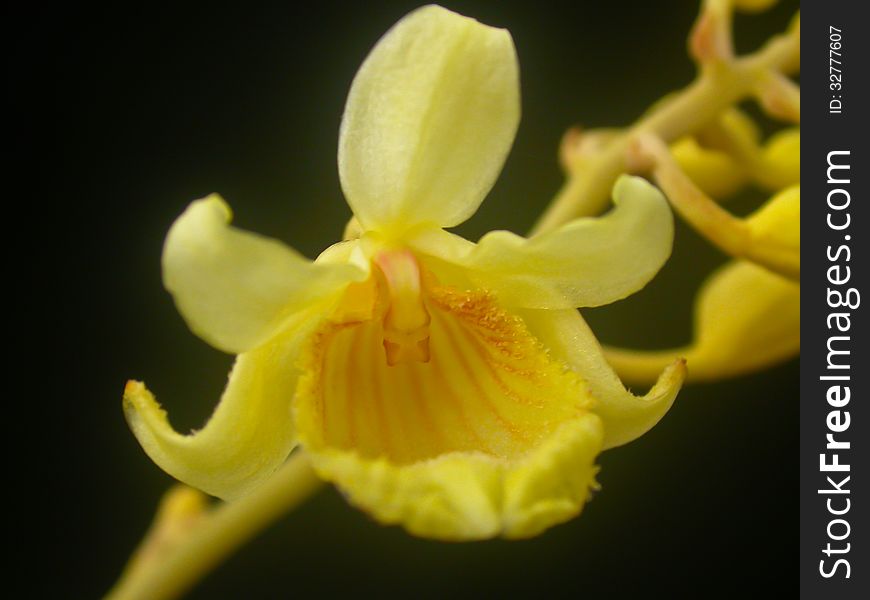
x,y
122,115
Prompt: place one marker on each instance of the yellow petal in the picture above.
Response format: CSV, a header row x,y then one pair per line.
x,y
746,319
429,121
728,154
468,496
625,416
237,289
250,433
715,172
779,219
718,161
551,485
780,164
776,231
485,435
586,262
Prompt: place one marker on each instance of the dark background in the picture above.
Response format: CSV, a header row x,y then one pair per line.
x,y
121,116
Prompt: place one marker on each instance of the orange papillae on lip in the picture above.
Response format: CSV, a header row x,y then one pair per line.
x,y
485,384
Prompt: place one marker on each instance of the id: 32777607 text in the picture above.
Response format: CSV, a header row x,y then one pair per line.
x,y
835,70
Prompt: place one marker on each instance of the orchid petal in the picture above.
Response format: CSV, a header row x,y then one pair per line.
x,y
236,289
746,319
468,496
586,262
250,433
775,229
625,416
780,164
429,121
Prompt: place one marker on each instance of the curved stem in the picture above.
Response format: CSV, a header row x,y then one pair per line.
x,y
737,237
718,86
218,535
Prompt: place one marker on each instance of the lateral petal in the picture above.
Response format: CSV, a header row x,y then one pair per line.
x,y
586,262
429,121
237,289
746,319
250,433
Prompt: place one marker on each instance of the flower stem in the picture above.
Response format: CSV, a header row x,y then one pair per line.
x,y
718,86
218,534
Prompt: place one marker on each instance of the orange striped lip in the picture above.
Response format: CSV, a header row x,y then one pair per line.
x,y
488,385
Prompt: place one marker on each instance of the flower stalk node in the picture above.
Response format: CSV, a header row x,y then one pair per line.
x,y
710,40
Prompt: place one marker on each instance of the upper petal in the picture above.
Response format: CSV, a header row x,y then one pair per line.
x,y
586,262
429,121
250,433
237,289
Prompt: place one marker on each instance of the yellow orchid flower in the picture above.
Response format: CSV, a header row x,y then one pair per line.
x,y
443,385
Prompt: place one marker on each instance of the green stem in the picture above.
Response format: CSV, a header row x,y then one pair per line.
x,y
221,532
